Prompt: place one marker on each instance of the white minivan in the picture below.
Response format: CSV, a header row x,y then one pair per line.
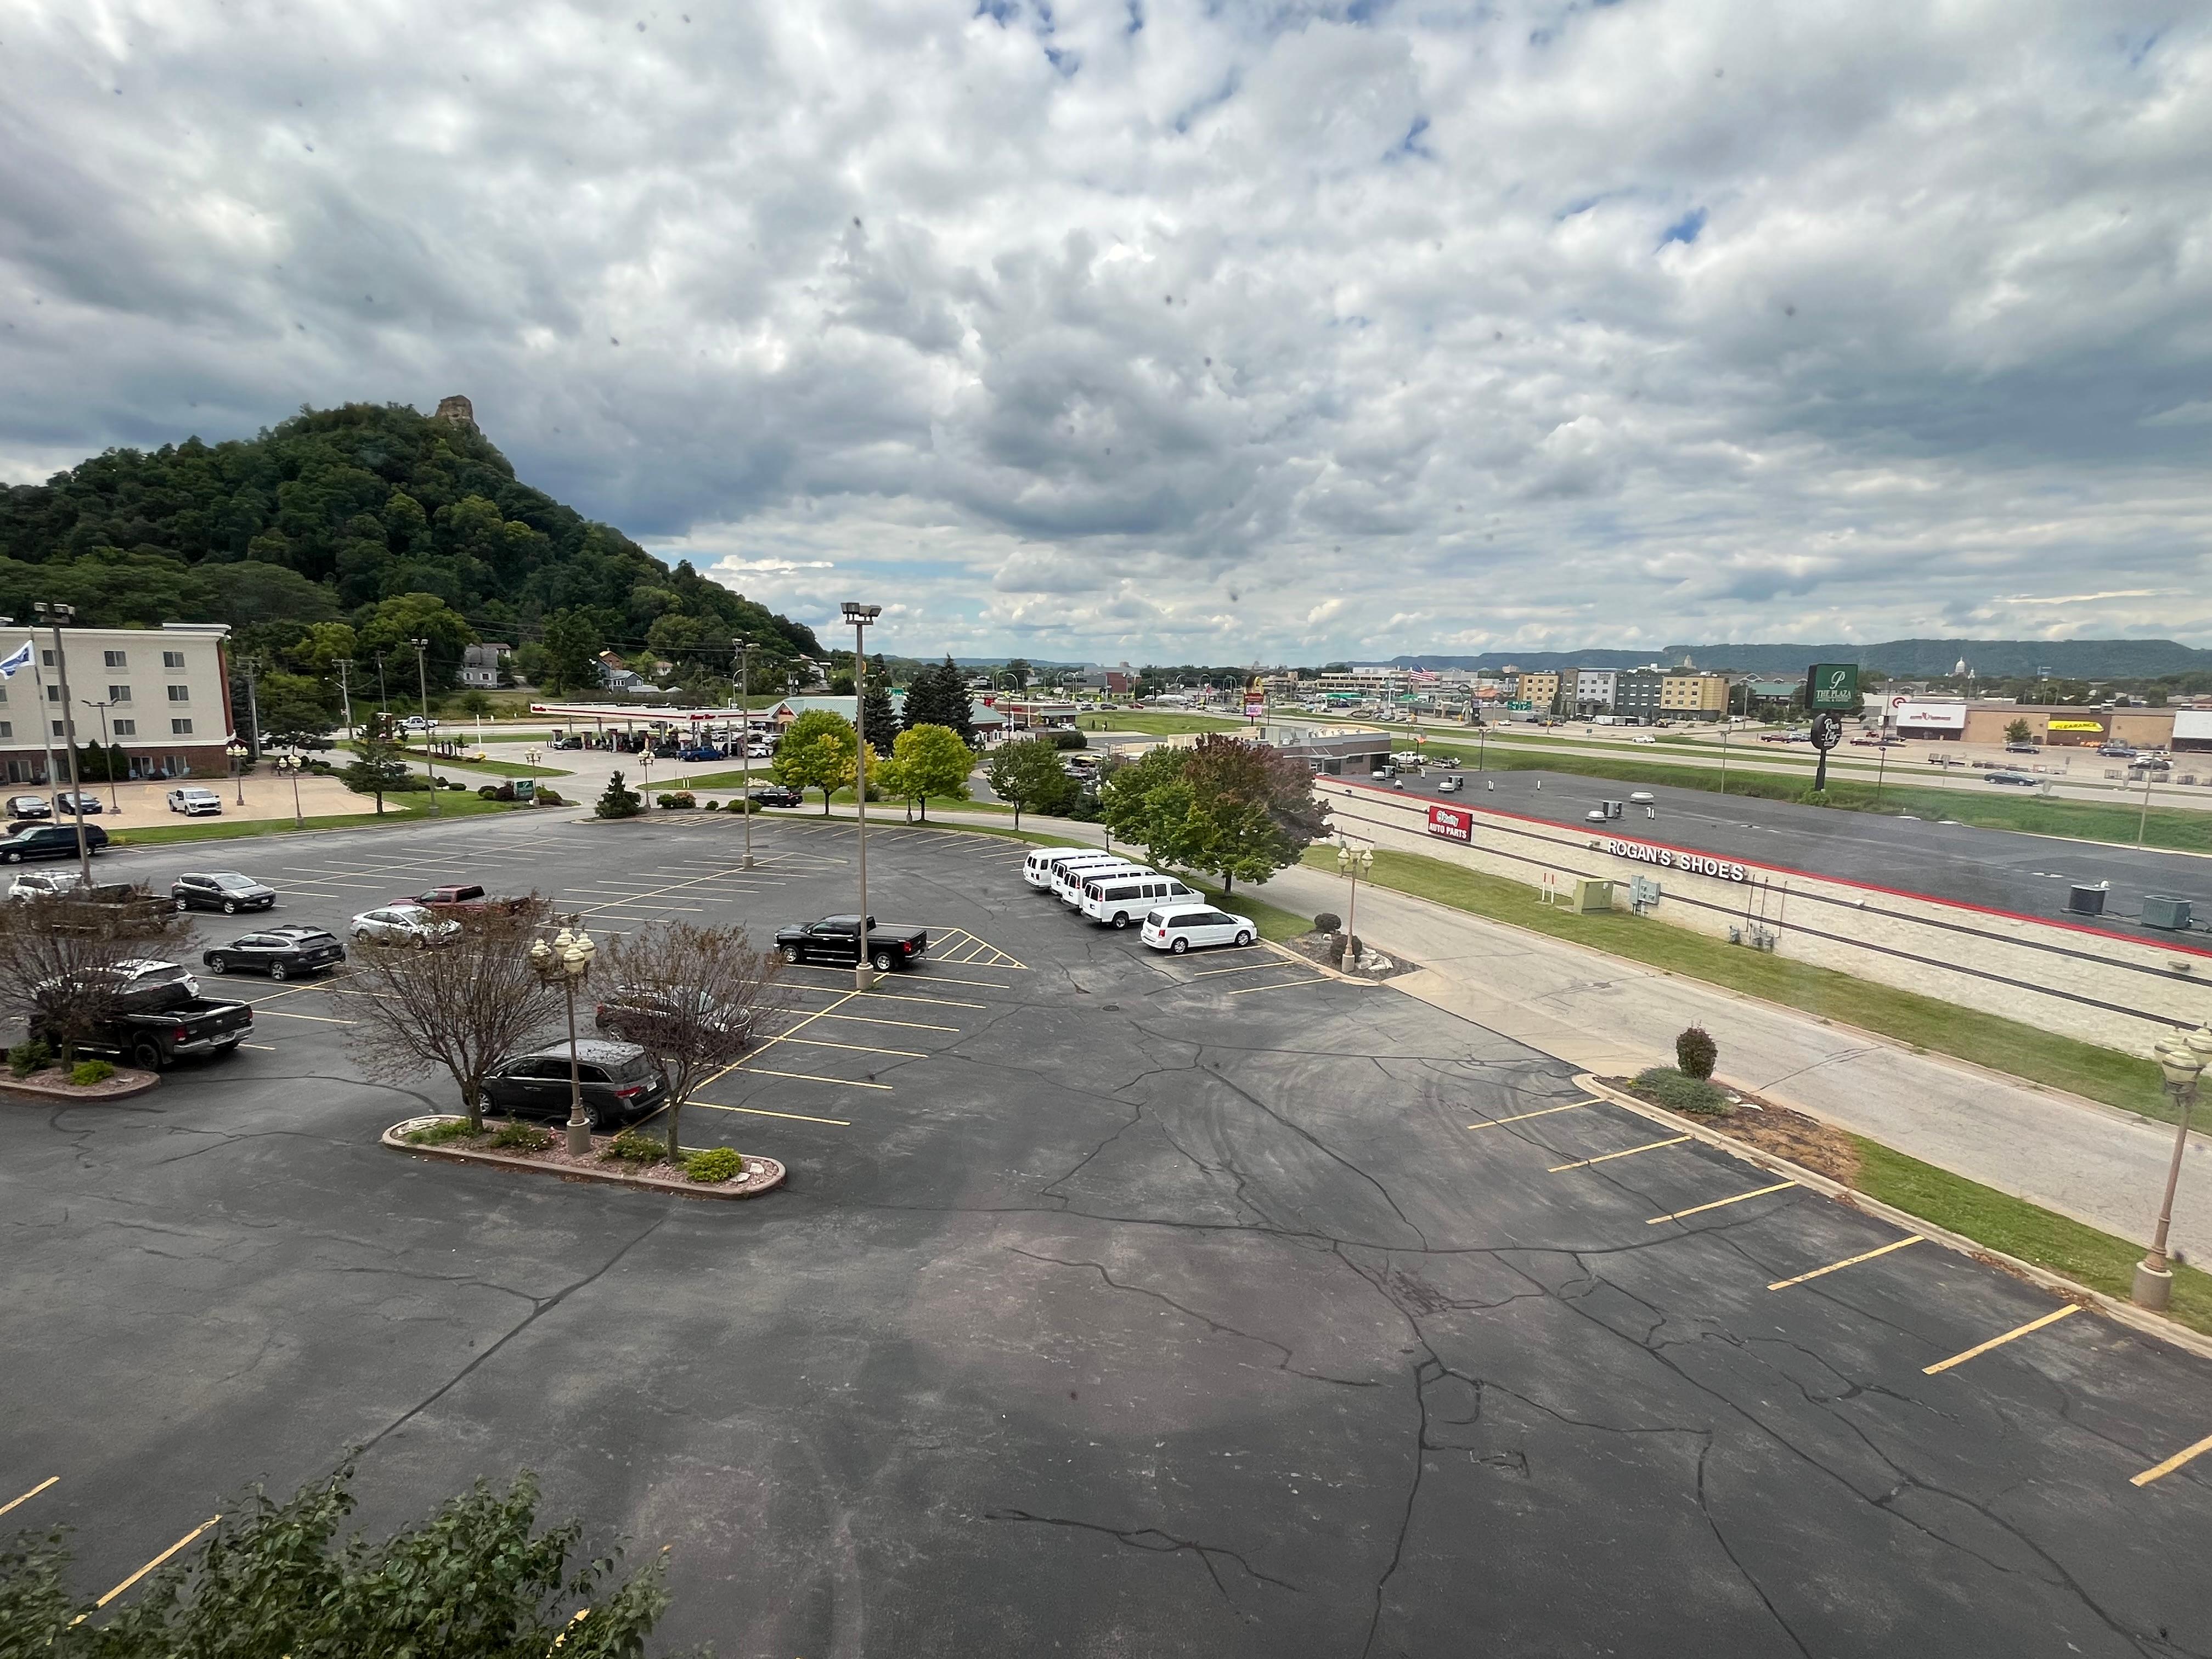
x,y
1117,901
1180,927
1068,880
1037,869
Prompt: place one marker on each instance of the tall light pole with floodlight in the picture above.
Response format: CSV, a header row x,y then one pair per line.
x,y
2183,1060
107,754
56,615
566,961
745,738
423,690
860,615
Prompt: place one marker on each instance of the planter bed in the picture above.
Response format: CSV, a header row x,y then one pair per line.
x,y
53,1084
761,1175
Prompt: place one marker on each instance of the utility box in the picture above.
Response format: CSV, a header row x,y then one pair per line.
x,y
2087,899
2170,913
1589,896
1643,894
1615,809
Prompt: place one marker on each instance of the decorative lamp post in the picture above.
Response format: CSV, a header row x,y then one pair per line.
x,y
566,961
1354,862
238,752
289,766
745,738
860,615
2182,1059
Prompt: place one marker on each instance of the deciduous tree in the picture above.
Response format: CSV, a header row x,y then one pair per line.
x,y
819,751
1026,774
925,761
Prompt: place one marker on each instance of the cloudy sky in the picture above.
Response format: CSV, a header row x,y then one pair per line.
x,y
1158,330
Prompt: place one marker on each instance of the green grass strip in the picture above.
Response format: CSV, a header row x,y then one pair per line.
x,y
2022,1230
2023,1051
1157,725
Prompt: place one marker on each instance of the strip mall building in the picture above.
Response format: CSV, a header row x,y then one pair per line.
x,y
1954,719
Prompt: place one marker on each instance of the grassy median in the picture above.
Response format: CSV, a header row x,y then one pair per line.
x,y
2019,1050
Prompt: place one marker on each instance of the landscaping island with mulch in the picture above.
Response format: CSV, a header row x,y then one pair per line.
x,y
52,1084
623,1160
1319,948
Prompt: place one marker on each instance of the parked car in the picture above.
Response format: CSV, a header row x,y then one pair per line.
x,y
195,802
776,795
634,1013
417,723
2003,775
279,952
51,840
705,751
836,938
226,891
618,1082
404,924
157,1019
2150,763
571,742
1181,928
2116,751
137,976
29,806
461,896
80,803
2020,748
43,883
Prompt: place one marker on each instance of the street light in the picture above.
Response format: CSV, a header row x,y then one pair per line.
x,y
238,752
56,615
423,690
1354,862
565,962
106,754
2182,1059
745,738
289,765
860,615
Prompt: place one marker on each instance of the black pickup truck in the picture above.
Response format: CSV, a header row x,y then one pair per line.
x,y
150,1028
836,938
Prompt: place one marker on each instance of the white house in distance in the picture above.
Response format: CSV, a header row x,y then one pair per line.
x,y
165,694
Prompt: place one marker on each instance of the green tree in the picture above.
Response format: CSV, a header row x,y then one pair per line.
x,y
1228,807
1021,672
571,660
879,715
925,761
390,629
379,764
293,707
1026,774
819,752
2019,732
619,801
1136,802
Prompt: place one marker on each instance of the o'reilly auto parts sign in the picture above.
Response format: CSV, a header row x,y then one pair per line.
x,y
1695,864
1452,823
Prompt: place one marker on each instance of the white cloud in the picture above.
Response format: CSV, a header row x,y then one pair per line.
x,y
1245,332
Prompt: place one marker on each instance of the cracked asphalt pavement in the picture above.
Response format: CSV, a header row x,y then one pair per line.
x,y
1120,1316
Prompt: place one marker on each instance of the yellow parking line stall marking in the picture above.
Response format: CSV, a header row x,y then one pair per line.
x,y
2018,1331
1523,1117
1722,1203
1248,967
2159,1471
809,1077
14,1503
934,1002
1848,1261
1607,1157
1279,985
903,1024
852,1048
151,1566
285,1013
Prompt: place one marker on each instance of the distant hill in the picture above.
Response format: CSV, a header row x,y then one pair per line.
x,y
1908,658
323,517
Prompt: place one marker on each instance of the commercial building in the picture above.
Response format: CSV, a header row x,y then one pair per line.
x,y
1636,695
1698,696
2070,727
1538,688
165,693
1593,690
1338,755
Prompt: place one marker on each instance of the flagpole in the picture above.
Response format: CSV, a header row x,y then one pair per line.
x,y
45,729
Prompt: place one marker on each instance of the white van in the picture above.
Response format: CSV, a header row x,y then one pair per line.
x,y
1068,880
1119,900
1037,868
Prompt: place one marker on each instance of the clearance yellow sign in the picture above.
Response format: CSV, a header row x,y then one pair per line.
x,y
2076,725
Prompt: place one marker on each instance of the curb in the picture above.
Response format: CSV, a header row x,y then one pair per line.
x,y
763,1175
127,1083
2125,1313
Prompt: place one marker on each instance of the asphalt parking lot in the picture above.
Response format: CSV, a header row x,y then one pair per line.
x,y
1118,1304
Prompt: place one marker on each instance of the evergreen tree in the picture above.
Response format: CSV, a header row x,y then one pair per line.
x,y
619,801
938,696
879,714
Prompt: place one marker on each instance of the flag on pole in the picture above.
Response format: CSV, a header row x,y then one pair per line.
x,y
19,658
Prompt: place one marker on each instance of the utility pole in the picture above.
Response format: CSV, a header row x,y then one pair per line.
x,y
45,731
252,709
56,616
745,740
422,686
345,694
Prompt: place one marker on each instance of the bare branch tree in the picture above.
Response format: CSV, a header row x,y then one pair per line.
x,y
62,957
692,997
461,1007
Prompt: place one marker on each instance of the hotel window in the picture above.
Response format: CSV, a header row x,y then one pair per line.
x,y
115,660
180,694
54,694
180,728
60,730
118,694
46,660
122,728
172,659
7,728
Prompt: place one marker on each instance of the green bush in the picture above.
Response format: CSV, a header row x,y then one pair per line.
x,y
619,801
632,1148
85,1072
677,800
522,1138
1695,1051
548,797
26,1058
1070,739
715,1164
437,1135
712,806
487,792
1679,1093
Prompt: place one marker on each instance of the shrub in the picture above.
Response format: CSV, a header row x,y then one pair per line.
x,y
1327,922
1070,739
486,792
549,797
1679,1093
712,806
457,788
85,1072
26,1058
631,1147
715,1164
1695,1051
677,800
437,1135
619,801
522,1138
504,792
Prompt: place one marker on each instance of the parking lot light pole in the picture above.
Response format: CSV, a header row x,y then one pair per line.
x,y
422,690
2182,1059
745,740
860,615
107,756
56,615
289,765
565,962
238,752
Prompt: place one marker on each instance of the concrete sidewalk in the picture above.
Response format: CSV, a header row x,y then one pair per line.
x,y
2093,1162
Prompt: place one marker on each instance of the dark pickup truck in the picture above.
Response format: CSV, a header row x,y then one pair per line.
x,y
836,938
458,895
150,1028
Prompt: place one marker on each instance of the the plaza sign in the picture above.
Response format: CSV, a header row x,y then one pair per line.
x,y
1695,864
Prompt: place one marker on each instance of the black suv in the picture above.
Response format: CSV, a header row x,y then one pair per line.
x,y
228,892
51,840
279,952
620,1084
776,795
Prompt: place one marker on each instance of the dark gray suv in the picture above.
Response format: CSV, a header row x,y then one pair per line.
x,y
620,1084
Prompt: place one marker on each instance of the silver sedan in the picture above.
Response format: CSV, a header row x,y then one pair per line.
x,y
402,924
